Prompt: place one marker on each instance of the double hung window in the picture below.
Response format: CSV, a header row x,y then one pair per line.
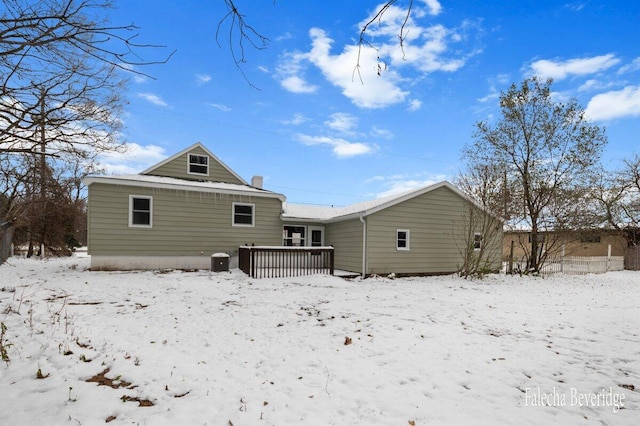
x,y
140,211
402,239
243,214
198,164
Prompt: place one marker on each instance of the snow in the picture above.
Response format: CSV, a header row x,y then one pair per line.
x,y
221,348
182,184
327,213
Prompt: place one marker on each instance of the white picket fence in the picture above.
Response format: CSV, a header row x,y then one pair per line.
x,y
579,265
582,265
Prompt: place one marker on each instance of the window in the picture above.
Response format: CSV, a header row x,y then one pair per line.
x,y
293,236
540,238
198,164
477,241
402,239
316,238
590,237
243,214
140,211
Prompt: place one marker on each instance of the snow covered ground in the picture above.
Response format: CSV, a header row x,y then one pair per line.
x,y
222,349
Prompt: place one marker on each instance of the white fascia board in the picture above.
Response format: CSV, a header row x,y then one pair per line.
x,y
182,187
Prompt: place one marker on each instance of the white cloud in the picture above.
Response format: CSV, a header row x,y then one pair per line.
x,y
615,104
427,53
154,99
221,107
589,85
631,67
424,47
576,6
434,7
136,75
363,86
290,71
494,82
285,36
397,184
296,84
401,186
296,120
342,122
593,85
140,78
381,133
351,149
414,105
135,159
375,77
203,78
493,94
341,147
559,70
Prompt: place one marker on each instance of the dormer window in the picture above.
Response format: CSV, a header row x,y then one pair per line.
x,y
198,164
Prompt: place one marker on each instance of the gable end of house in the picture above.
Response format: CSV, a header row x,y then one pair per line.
x,y
197,163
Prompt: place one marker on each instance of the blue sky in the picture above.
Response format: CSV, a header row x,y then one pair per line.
x,y
321,134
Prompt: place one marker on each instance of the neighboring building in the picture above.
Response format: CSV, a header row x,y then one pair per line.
x,y
592,242
179,212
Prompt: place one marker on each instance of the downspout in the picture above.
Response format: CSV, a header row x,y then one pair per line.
x,y
364,245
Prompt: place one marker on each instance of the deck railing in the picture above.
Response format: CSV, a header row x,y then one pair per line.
x,y
275,261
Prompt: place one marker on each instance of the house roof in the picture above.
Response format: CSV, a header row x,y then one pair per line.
x,y
335,214
150,181
188,149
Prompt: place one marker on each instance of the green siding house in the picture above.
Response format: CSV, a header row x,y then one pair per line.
x,y
179,212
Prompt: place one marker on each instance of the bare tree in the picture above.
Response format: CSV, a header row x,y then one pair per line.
x,y
240,33
479,233
631,204
616,199
62,74
62,53
548,151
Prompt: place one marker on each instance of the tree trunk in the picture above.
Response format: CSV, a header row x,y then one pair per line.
x,y
6,238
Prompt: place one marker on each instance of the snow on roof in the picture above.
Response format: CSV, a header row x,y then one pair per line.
x,y
183,184
305,211
308,211
326,213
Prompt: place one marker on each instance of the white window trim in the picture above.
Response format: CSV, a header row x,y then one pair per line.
x,y
253,215
408,247
189,154
131,224
481,241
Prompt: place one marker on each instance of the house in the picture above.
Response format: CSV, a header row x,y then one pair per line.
x,y
591,242
179,212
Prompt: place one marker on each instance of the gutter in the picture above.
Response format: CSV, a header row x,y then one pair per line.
x,y
364,245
